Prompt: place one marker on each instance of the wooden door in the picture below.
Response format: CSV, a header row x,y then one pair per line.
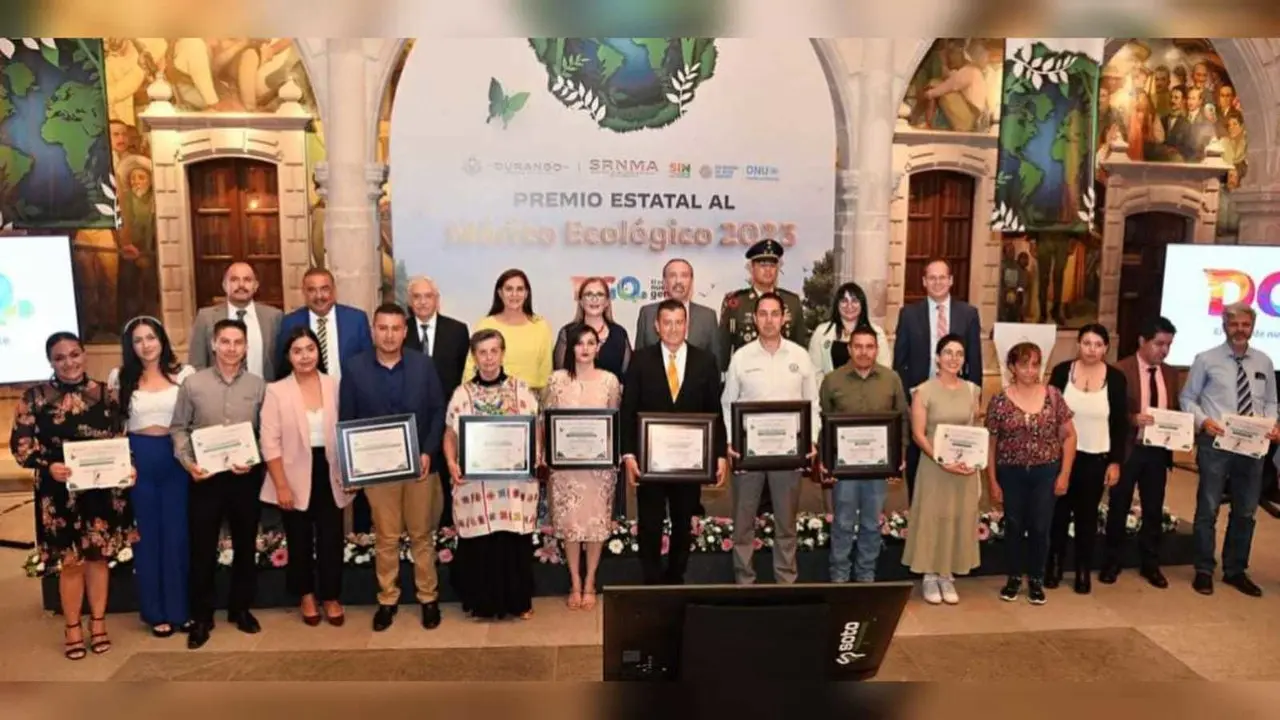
x,y
235,217
1146,238
939,225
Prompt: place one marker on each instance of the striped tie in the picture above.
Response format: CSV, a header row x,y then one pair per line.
x,y
322,333
1244,394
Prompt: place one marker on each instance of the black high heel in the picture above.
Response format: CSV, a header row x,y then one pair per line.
x,y
74,649
99,647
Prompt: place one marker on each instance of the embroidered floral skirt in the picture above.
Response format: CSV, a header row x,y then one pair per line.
x,y
84,526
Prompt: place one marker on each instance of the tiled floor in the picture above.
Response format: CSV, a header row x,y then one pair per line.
x,y
1128,631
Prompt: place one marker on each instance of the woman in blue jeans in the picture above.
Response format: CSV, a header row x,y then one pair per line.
x,y
1033,445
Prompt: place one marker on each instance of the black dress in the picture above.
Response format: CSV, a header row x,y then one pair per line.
x,y
86,526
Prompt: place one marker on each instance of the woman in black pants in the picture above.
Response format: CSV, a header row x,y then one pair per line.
x,y
1095,392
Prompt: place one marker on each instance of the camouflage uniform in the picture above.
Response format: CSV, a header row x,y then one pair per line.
x,y
738,309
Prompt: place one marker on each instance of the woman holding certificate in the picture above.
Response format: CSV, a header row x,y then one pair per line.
x,y
944,507
829,346
492,569
146,384
527,336
299,444
81,530
582,500
595,311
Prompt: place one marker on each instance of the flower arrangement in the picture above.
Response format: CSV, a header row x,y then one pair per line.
x,y
709,535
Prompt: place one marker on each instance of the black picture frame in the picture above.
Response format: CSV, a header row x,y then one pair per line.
x,y
831,425
804,437
556,461
469,424
705,422
406,424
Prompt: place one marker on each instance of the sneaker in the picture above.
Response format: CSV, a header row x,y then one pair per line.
x,y
932,594
948,588
1035,592
1010,591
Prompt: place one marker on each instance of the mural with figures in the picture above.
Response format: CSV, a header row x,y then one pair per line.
x,y
1050,277
957,86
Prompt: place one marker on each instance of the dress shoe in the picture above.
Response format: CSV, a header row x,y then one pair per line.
x,y
1053,572
1156,578
431,615
1108,574
312,620
1203,583
383,618
1241,582
245,622
1084,582
198,635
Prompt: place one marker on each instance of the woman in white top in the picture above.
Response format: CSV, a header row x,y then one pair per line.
x,y
829,346
1096,394
146,386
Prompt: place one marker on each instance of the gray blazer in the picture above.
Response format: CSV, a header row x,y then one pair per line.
x,y
200,345
703,330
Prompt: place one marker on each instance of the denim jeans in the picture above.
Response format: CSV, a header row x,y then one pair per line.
x,y
1217,468
857,505
1028,513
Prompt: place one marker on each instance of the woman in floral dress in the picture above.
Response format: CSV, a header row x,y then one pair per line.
x,y
78,532
582,500
492,569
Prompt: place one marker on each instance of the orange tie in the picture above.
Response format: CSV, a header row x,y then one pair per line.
x,y
673,377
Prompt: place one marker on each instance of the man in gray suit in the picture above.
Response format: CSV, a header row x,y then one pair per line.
x,y
263,321
677,283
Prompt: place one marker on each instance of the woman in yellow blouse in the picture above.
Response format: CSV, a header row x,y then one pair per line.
x,y
527,336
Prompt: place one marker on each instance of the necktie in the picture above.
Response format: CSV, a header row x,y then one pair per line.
x,y
240,316
942,321
1244,394
673,377
426,338
322,332
1153,390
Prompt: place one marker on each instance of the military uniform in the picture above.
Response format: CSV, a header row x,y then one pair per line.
x,y
738,309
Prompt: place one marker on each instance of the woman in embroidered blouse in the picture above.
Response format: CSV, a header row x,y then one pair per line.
x,y
527,336
1097,394
596,311
829,346
78,533
582,500
1033,445
492,569
146,384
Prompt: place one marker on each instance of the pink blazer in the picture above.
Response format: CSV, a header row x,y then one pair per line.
x,y
285,435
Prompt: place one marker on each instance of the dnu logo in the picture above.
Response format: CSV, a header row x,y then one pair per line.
x,y
1244,290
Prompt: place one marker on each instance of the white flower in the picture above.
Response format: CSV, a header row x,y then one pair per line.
x,y
807,542
615,547
39,566
362,560
111,564
635,547
125,555
347,554
815,524
224,557
1131,522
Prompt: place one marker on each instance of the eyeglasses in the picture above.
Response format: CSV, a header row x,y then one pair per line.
x,y
594,296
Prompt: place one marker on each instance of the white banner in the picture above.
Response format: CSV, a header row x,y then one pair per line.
x,y
568,158
1006,335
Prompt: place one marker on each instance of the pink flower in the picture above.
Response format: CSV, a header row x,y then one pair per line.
x,y
726,544
697,527
547,530
831,518
757,543
280,557
666,544
634,530
902,533
984,532
883,519
448,532
445,556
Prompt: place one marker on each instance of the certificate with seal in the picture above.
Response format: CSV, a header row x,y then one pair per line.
x,y
497,447
1245,435
98,464
771,435
862,446
379,450
581,438
1171,429
677,447
961,445
219,447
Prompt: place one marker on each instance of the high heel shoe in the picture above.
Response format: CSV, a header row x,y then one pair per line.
x,y
1084,581
74,649
103,645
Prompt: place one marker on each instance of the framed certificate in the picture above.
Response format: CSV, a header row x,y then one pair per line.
x,y
497,447
98,464
677,447
581,438
772,435
218,447
864,446
379,450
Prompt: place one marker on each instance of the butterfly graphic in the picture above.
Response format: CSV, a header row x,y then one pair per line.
x,y
503,105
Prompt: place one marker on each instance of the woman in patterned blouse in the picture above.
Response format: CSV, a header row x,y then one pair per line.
x,y
79,532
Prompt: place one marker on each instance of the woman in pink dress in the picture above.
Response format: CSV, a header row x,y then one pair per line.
x,y
582,500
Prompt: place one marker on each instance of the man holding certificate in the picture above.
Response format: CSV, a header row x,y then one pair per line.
x,y
215,420
769,368
1231,389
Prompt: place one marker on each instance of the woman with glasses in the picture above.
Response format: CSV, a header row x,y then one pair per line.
x,y
595,310
527,336
829,346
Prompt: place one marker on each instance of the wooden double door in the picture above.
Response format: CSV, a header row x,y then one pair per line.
x,y
939,225
1147,237
235,217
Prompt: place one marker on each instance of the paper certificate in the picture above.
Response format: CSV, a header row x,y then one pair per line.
x,y
378,451
581,439
771,434
219,447
862,445
98,464
497,447
961,445
1171,429
676,447
1245,435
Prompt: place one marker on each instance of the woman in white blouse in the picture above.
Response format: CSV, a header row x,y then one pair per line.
x,y
829,346
146,386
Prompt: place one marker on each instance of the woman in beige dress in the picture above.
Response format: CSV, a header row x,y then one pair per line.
x,y
943,537
582,500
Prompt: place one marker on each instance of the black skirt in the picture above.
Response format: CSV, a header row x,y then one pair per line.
x,y
493,575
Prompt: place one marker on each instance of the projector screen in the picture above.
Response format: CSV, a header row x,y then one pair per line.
x,y
37,299
1200,280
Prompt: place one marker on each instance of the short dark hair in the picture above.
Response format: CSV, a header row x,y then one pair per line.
x,y
298,333
864,330
485,335
670,304
1094,329
225,323
317,271
946,340
390,308
1154,326
673,261
771,295
58,337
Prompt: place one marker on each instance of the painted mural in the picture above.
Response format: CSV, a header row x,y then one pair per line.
x,y
1050,277
957,86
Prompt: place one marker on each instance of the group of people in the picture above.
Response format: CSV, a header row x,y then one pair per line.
x,y
1055,448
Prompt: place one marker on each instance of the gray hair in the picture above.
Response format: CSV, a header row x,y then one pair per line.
x,y
1239,308
485,335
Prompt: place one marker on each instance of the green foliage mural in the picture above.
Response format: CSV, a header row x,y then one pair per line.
x,y
816,295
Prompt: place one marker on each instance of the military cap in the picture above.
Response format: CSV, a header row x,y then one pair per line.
x,y
767,249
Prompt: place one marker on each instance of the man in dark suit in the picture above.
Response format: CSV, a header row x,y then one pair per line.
x,y
677,283
920,326
670,377
445,341
390,380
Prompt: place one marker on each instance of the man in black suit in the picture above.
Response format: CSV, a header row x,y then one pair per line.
x,y
670,377
920,326
446,342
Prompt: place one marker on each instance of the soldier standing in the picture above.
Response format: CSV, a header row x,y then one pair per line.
x,y
737,312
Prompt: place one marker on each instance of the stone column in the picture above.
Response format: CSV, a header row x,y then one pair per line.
x,y
871,181
1259,213
349,228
